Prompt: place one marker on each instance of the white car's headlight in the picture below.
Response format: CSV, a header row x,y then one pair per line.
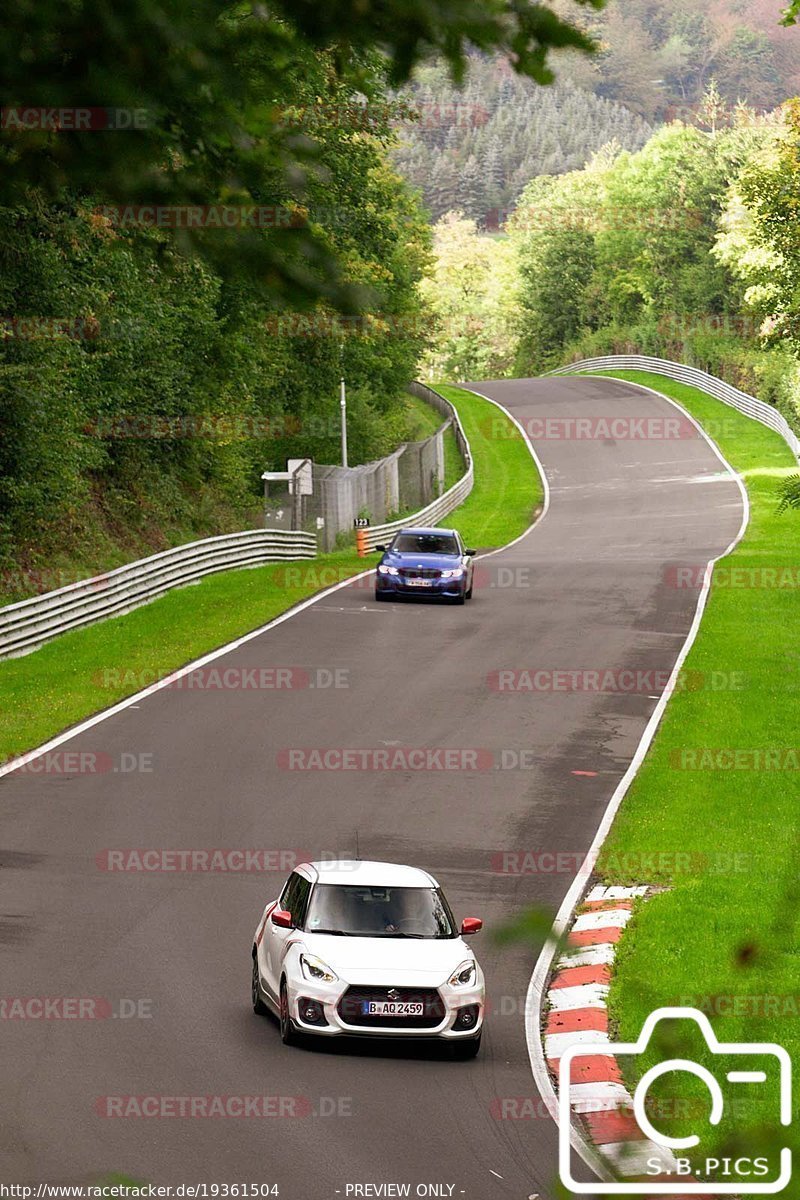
x,y
388,571
465,975
454,574
316,970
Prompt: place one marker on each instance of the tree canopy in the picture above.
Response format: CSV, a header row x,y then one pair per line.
x,y
212,84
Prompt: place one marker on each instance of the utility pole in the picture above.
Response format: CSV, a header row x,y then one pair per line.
x,y
343,406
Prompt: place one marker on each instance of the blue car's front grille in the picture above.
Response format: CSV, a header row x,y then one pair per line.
x,y
420,573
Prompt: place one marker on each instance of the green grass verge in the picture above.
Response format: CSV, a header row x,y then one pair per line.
x,y
83,672
424,420
725,841
508,489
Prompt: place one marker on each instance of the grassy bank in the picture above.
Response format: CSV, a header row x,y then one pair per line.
x,y
507,487
723,834
424,420
83,672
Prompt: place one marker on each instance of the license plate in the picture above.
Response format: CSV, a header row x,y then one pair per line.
x,y
420,582
393,1008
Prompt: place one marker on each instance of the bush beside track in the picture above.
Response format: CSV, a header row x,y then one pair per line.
x,y
86,671
723,833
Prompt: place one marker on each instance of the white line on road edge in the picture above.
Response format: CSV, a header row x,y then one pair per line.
x,y
541,970
539,467
535,995
132,701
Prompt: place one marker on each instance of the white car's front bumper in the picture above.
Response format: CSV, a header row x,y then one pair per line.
x,y
340,1003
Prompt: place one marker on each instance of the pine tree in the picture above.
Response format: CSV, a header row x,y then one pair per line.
x,y
518,131
442,188
712,109
472,191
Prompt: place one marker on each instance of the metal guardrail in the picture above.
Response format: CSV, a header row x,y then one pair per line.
x,y
749,405
30,623
439,508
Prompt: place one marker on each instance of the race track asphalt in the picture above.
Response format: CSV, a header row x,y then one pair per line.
x,y
591,587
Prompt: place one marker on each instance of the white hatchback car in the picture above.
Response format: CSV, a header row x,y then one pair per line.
x,y
368,949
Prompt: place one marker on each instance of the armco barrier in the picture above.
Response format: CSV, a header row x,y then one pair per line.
x,y
749,405
434,512
29,623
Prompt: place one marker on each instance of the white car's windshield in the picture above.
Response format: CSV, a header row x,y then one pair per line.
x,y
358,911
425,543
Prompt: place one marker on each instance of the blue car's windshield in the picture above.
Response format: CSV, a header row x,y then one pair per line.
x,y
425,543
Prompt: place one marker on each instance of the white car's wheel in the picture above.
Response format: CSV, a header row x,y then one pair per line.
x,y
288,1031
259,1007
467,1049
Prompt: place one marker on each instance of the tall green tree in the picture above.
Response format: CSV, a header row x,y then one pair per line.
x,y
471,294
760,238
212,83
173,379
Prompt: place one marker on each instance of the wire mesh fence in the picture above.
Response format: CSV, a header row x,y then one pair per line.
x,y
410,479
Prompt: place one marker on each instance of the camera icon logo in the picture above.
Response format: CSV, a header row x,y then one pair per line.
x,y
652,1163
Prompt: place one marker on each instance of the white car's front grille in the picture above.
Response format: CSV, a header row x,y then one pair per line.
x,y
351,1007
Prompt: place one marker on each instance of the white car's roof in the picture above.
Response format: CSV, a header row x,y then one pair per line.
x,y
371,874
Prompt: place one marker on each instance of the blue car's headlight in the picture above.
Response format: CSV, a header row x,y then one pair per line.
x,y
388,570
454,574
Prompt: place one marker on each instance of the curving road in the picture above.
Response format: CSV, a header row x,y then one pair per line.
x,y
588,588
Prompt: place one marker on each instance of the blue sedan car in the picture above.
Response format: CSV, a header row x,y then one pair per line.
x,y
425,562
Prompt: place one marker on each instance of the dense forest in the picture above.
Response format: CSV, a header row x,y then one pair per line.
x,y
475,149
688,248
658,58
150,371
154,388
181,294
157,251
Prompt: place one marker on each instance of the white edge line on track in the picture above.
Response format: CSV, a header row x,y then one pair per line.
x,y
133,700
178,673
541,971
540,468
